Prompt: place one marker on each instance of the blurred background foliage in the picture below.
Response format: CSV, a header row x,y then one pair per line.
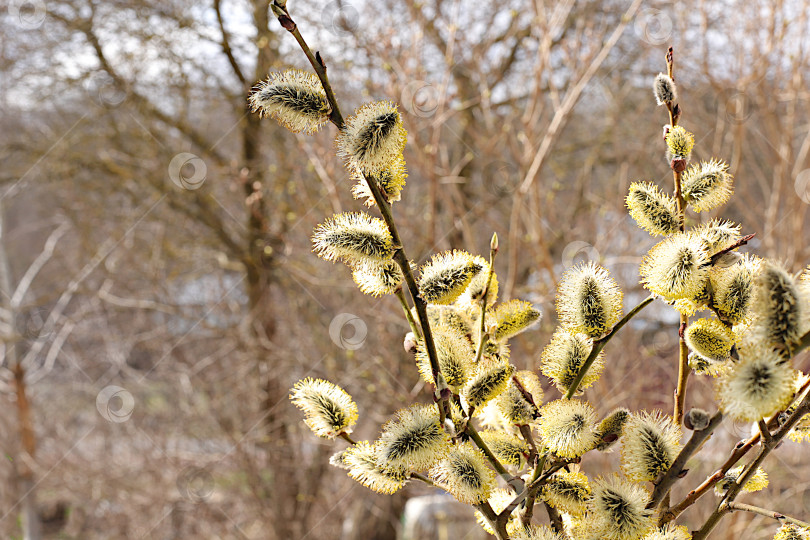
x,y
203,301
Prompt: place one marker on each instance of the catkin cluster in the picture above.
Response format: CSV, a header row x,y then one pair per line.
x,y
755,315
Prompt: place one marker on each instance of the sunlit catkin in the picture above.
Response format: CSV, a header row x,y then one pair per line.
x,y
328,409
654,211
490,379
353,237
780,307
413,440
733,288
512,318
680,142
536,532
567,491
757,482
446,275
664,89
390,180
568,427
650,443
361,460
509,449
707,185
295,99
588,300
478,284
710,338
373,138
520,402
455,354
618,509
791,531
676,267
464,473
717,235
760,384
610,428
499,499
377,279
670,532
563,358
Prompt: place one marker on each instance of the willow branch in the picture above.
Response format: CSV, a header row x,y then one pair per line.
x,y
677,468
441,393
767,513
600,343
751,469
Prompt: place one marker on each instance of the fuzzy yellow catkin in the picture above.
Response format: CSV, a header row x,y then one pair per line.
x,y
650,444
717,235
390,180
676,268
373,138
413,440
361,461
707,185
474,292
610,428
328,409
710,338
520,405
680,142
489,380
509,449
669,532
791,531
758,482
704,366
354,237
654,211
499,500
567,491
464,473
565,355
589,301
294,98
567,427
759,384
801,431
455,355
446,275
733,288
781,307
618,509
377,279
512,318
536,532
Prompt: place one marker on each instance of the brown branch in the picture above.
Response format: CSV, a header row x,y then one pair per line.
x,y
676,470
226,47
767,513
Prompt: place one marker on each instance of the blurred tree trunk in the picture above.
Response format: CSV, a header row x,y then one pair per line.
x,y
26,485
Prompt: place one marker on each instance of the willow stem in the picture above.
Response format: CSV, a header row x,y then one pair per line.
x,y
671,476
441,396
600,343
767,513
408,315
